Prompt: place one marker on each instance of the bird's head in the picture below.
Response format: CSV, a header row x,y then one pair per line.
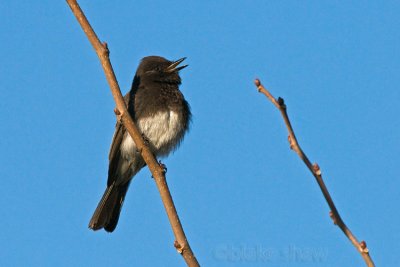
x,y
160,69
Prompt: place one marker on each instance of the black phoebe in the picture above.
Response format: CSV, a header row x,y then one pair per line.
x,y
162,115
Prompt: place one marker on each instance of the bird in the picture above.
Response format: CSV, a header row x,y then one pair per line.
x,y
161,114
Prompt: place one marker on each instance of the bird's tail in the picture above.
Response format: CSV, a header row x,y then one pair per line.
x,y
107,212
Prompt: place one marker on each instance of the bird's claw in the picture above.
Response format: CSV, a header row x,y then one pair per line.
x,y
163,166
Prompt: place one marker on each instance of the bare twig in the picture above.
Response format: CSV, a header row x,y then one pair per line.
x,y
316,171
181,243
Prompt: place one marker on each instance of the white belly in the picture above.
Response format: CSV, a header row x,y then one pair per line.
x,y
162,130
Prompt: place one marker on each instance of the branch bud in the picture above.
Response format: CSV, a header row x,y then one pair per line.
x,y
316,169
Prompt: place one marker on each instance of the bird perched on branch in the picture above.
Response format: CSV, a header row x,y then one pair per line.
x,y
162,115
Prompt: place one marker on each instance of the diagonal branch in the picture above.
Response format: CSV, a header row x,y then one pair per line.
x,y
316,171
181,243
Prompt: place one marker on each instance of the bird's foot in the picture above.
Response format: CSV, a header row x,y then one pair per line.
x,y
163,166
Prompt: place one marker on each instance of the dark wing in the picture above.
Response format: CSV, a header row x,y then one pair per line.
x,y
115,153
114,156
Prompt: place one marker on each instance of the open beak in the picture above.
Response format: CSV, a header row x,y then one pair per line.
x,y
174,66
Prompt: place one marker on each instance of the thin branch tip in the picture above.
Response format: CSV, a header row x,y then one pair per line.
x,y
279,103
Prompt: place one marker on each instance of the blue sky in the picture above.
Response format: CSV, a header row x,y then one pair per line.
x,y
243,197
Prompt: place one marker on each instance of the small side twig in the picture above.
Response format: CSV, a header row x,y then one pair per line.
x,y
316,171
123,115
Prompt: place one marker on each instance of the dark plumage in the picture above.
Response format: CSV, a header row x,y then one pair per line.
x,y
162,115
